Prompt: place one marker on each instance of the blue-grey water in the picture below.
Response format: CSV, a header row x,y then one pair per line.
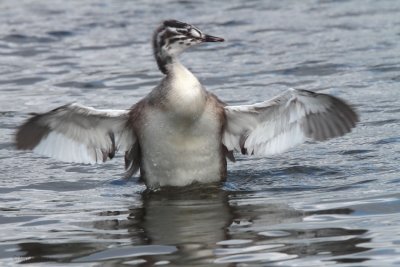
x,y
335,203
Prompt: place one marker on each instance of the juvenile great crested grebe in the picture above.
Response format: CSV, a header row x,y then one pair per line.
x,y
180,133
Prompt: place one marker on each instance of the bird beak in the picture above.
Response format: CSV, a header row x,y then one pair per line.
x,y
210,38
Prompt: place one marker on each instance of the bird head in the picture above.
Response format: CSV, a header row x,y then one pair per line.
x,y
173,37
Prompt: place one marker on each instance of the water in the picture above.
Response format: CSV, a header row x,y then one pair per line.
x,y
321,204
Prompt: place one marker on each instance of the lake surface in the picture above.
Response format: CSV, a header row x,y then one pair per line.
x,y
335,203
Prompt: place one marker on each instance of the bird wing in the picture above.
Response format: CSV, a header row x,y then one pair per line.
x,y
285,121
76,133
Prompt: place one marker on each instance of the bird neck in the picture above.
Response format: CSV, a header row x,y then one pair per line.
x,y
168,63
163,61
180,75
185,96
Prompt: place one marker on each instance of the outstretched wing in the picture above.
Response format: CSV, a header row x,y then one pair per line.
x,y
285,121
75,133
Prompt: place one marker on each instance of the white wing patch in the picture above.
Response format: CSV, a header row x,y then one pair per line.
x,y
276,125
283,141
58,146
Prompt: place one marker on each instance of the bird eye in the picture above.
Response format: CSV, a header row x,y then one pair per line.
x,y
195,33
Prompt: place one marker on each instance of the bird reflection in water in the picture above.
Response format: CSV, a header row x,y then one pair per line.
x,y
201,227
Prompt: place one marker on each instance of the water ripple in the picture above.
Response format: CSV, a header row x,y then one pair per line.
x,y
331,203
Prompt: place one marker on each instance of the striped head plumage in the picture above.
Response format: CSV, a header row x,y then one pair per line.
x,y
173,37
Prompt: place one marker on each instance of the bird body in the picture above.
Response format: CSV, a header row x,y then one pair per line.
x,y
185,120
184,152
180,133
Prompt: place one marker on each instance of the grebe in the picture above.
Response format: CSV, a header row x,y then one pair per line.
x,y
180,133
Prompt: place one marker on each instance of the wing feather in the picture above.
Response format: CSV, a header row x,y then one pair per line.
x,y
285,121
76,133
